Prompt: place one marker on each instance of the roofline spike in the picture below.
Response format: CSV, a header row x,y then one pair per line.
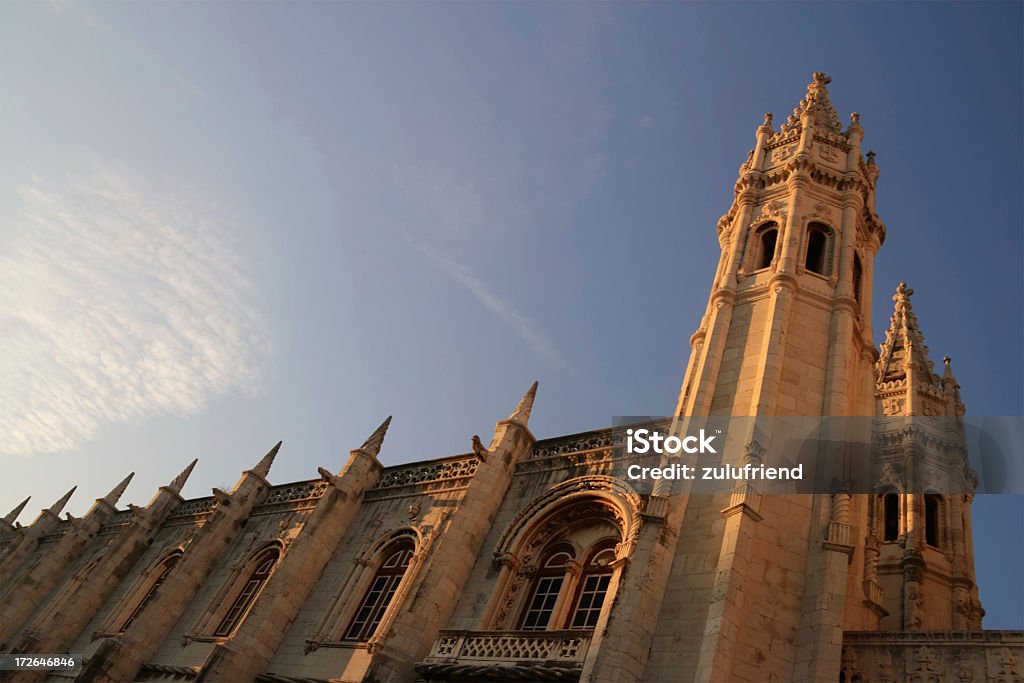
x,y
178,482
373,444
521,414
116,493
59,505
263,466
13,514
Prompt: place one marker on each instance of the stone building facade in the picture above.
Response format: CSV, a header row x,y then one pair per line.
x,y
528,560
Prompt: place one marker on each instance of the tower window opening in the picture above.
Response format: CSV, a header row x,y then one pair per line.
x,y
891,516
931,519
858,277
766,251
817,243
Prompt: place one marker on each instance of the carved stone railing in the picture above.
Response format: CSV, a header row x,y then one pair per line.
x,y
516,655
295,496
117,523
192,511
424,477
62,528
967,656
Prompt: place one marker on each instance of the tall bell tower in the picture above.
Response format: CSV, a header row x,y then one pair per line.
x,y
768,584
787,333
787,329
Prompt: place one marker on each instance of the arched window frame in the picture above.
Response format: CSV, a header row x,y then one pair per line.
x,y
380,592
548,519
553,578
826,261
593,586
763,254
244,591
352,592
145,590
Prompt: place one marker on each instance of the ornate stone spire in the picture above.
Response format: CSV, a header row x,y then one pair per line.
x,y
904,348
13,514
817,103
521,415
116,493
179,481
59,505
373,444
263,466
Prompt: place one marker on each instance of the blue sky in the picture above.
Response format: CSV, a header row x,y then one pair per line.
x,y
222,225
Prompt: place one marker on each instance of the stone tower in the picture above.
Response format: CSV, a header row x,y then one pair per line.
x,y
787,329
787,332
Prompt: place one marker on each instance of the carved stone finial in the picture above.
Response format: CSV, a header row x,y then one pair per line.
x,y
855,119
871,157
821,78
373,444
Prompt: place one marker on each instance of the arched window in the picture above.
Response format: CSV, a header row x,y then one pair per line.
x,y
380,591
890,516
768,236
593,587
250,591
932,506
858,276
547,587
163,570
817,249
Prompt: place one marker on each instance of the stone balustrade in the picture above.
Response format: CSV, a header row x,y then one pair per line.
x,y
506,655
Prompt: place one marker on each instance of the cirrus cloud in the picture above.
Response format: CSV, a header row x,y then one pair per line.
x,y
118,304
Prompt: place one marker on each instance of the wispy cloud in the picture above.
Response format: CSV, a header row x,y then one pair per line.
x,y
524,328
119,304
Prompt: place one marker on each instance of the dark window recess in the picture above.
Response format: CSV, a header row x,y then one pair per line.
x,y
931,519
768,241
891,513
858,277
817,241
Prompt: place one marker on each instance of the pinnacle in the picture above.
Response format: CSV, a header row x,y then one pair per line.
x,y
59,505
904,345
13,514
521,414
116,493
817,103
373,444
263,466
179,481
